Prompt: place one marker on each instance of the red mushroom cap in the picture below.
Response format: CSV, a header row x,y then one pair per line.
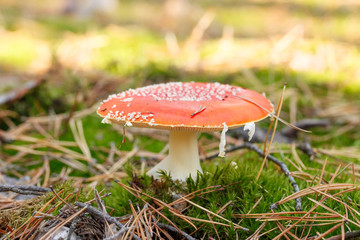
x,y
191,106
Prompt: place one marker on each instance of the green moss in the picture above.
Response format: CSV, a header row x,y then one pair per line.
x,y
238,185
15,216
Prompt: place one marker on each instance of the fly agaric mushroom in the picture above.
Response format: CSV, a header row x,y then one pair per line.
x,y
185,109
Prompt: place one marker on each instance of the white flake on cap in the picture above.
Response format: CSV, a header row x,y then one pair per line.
x,y
156,98
177,91
127,99
128,124
152,122
106,120
223,141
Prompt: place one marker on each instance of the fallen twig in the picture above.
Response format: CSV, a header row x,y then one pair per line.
x,y
19,92
348,235
98,214
286,135
278,162
118,234
24,189
306,148
172,229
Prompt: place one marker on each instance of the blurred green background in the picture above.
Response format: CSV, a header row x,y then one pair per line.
x,y
316,38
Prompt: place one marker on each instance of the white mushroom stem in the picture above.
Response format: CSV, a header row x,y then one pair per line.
x,y
183,159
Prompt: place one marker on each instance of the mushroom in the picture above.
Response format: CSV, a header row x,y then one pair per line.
x,y
185,109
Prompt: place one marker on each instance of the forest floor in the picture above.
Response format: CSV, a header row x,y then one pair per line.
x,y
56,68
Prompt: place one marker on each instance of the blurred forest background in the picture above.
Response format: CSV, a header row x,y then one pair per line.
x,y
59,59
316,39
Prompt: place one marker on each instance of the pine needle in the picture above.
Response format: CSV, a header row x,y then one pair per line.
x,y
278,109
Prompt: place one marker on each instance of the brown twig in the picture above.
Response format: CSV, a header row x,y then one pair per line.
x,y
24,189
172,229
348,235
20,92
118,234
